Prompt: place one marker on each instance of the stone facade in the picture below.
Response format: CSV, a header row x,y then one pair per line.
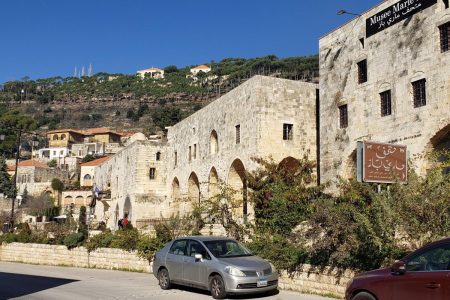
x,y
396,57
135,181
264,117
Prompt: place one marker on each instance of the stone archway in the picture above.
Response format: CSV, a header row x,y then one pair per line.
x,y
439,142
127,209
193,188
176,196
237,181
213,183
79,201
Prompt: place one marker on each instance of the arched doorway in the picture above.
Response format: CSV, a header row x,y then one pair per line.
x,y
440,142
289,164
68,200
213,183
193,188
176,196
213,143
79,201
116,216
237,181
127,209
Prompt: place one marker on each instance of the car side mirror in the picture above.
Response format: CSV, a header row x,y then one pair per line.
x,y
398,268
198,257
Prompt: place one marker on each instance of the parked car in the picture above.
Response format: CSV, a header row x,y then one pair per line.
x,y
221,265
422,275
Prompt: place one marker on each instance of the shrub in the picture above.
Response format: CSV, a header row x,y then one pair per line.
x,y
74,240
102,240
147,246
126,239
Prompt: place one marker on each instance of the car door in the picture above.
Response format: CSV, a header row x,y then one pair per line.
x,y
426,276
195,271
175,259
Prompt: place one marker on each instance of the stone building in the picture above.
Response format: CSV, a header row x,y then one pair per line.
x,y
87,171
385,77
264,117
152,72
133,183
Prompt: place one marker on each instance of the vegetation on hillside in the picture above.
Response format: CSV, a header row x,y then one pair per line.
x,y
228,72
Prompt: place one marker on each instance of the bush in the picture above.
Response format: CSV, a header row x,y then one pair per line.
x,y
102,240
74,240
125,239
147,246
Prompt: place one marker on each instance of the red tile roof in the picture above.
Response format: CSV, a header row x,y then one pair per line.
x,y
28,163
65,130
96,162
202,67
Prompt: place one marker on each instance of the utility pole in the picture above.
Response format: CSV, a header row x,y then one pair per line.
x,y
19,135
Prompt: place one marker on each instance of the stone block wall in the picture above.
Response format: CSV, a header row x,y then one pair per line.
x,y
78,257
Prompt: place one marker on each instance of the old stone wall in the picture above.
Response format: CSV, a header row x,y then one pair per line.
x,y
397,56
217,143
126,175
78,257
306,280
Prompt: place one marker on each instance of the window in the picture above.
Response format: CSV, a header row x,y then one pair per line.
x,y
288,132
444,32
55,137
158,156
361,40
434,259
152,173
343,116
61,152
87,177
175,158
362,71
238,134
195,151
419,93
63,136
196,248
213,142
190,153
54,153
446,4
178,247
385,103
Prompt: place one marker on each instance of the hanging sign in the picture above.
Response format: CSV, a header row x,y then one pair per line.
x,y
394,14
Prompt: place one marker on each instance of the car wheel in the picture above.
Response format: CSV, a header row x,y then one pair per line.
x,y
217,287
164,279
363,296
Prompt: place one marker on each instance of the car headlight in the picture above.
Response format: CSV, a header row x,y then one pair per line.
x,y
234,272
274,270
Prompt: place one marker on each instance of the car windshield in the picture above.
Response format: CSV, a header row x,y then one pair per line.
x,y
227,248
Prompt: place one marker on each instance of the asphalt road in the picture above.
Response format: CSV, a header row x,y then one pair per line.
x,y
22,281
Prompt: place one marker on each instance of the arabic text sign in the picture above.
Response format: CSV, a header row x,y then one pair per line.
x,y
394,14
384,163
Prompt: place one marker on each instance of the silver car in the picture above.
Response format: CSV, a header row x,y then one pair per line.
x,y
221,265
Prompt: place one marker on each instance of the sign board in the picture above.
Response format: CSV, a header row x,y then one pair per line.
x,y
394,14
381,163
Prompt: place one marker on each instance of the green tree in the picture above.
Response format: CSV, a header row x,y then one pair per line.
x,y
57,185
6,184
87,158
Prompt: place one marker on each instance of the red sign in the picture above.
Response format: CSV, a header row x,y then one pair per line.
x,y
384,163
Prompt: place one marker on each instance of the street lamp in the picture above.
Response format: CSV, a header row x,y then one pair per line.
x,y
344,12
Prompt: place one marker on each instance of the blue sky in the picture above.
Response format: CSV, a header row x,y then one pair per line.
x,y
41,38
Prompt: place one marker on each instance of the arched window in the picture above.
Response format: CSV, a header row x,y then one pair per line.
x,y
213,142
55,137
158,155
87,177
63,136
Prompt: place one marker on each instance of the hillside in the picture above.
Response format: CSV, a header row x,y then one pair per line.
x,y
129,102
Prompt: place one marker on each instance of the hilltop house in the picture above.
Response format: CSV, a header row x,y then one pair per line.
x,y
151,72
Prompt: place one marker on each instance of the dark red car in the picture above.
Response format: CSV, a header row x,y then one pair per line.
x,y
422,275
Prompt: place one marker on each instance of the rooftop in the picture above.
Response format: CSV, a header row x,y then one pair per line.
x,y
95,162
28,163
201,67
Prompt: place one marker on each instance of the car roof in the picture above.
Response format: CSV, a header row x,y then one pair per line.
x,y
205,238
